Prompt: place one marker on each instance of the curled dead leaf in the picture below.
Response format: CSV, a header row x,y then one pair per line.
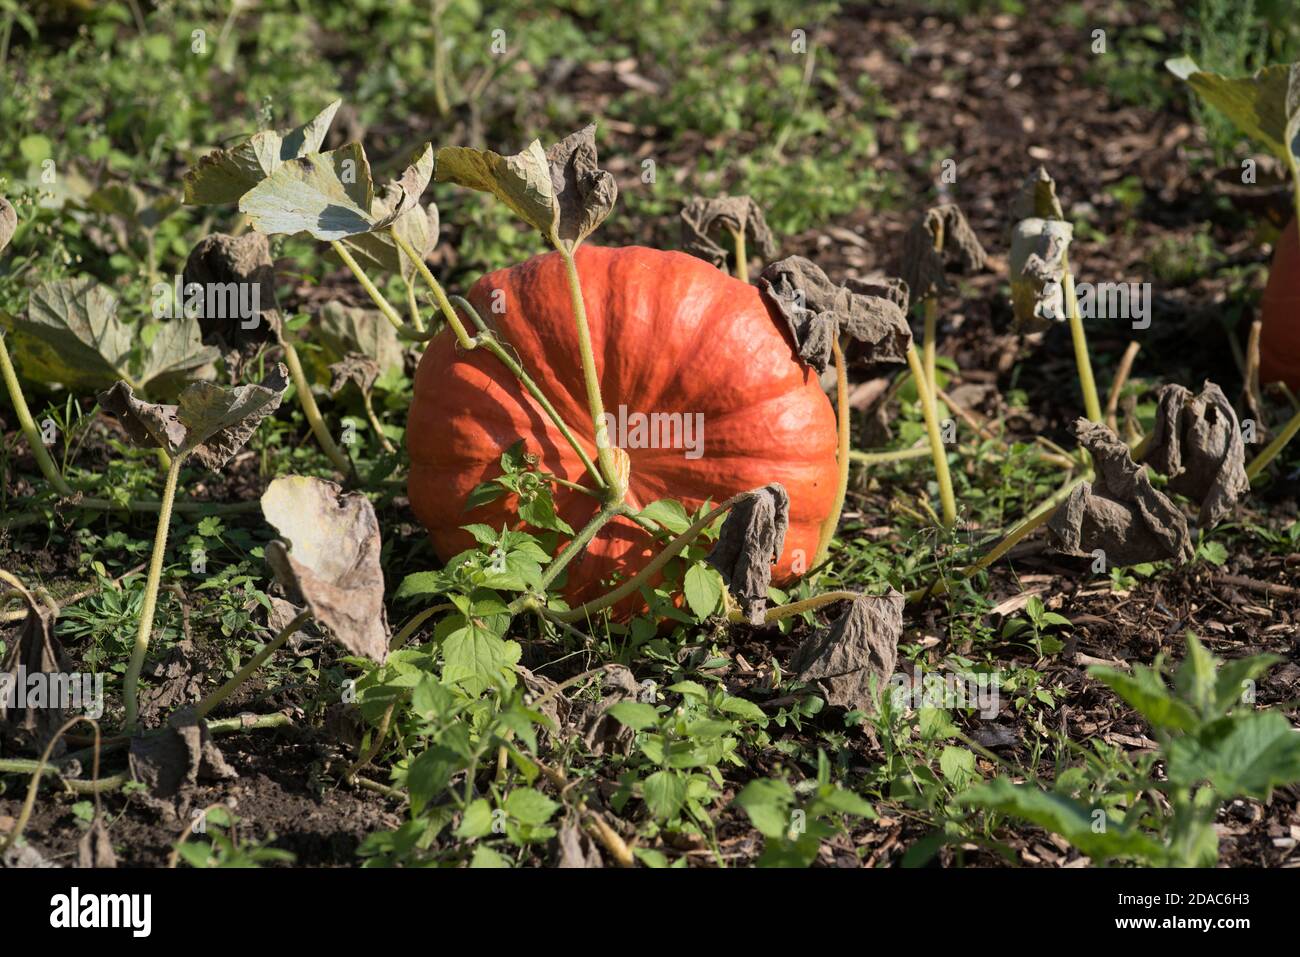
x,y
751,539
329,559
937,242
31,722
584,193
1197,443
212,422
239,272
1121,514
1038,257
860,648
95,849
815,310
8,223
703,219
172,761
353,368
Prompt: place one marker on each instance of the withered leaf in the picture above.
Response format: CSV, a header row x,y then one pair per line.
x,y
353,368
859,647
577,849
1121,514
703,219
939,240
34,721
751,539
1037,198
236,269
1038,256
174,683
584,193
212,422
344,330
8,223
815,310
329,559
601,732
171,761
1196,442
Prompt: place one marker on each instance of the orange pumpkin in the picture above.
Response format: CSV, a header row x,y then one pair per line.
x,y
1279,337
670,334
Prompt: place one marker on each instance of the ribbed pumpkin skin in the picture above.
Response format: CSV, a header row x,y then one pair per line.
x,y
670,333
1279,334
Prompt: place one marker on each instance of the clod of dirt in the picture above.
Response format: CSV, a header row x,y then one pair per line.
x,y
751,539
1196,442
860,647
816,310
8,223
36,652
1122,514
245,260
20,858
174,683
95,849
211,421
577,849
333,567
1037,198
353,368
1038,251
704,218
601,733
584,193
172,761
940,240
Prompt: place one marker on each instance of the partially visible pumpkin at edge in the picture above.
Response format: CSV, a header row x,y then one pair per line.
x,y
1279,342
671,334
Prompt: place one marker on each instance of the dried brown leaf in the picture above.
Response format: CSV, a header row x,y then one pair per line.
x,y
35,652
172,761
244,260
353,368
1196,442
1037,260
584,193
703,219
937,242
860,648
751,539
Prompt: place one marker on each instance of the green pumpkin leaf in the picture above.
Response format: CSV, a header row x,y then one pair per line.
x,y
1265,106
1246,755
331,196
224,176
71,335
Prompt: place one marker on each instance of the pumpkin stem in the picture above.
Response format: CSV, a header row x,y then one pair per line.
x,y
929,410
1091,403
1258,464
312,411
371,289
41,453
580,541
604,452
777,612
131,680
742,257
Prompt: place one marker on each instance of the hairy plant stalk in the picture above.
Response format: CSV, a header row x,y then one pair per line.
x,y
777,612
413,307
373,419
1091,404
929,410
604,452
371,289
204,707
487,338
403,636
580,541
1274,448
893,455
131,681
930,345
832,523
312,411
28,425
444,304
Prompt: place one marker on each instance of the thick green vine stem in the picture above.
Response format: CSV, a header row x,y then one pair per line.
x,y
204,707
929,410
28,425
1091,402
777,612
670,551
448,313
580,541
487,338
604,451
371,289
892,455
832,523
312,411
1271,451
130,683
930,345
